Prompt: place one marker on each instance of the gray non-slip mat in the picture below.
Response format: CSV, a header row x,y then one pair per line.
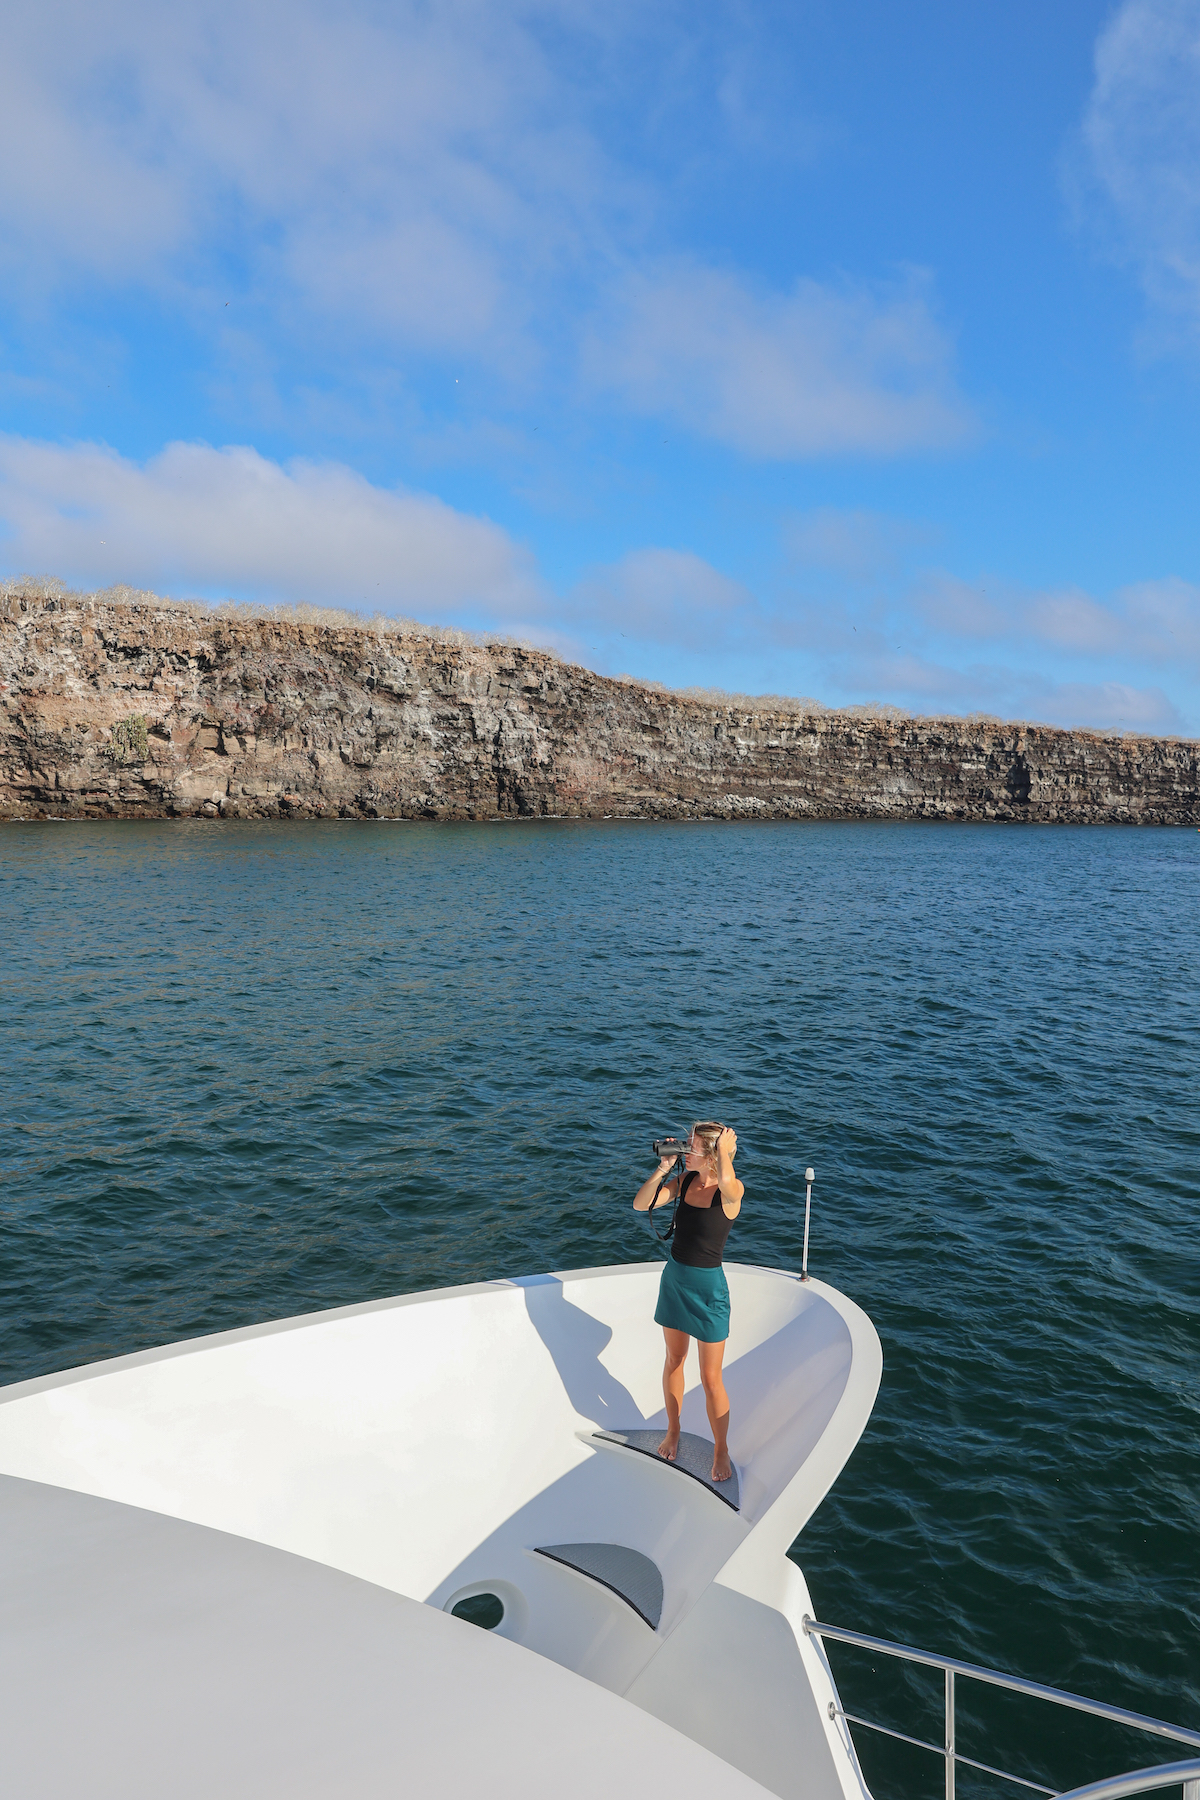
x,y
694,1459
627,1572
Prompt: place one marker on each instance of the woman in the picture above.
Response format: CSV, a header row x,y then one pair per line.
x,y
693,1296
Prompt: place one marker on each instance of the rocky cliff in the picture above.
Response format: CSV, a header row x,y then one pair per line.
x,y
149,710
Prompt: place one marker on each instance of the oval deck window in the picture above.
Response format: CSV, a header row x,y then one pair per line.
x,y
486,1610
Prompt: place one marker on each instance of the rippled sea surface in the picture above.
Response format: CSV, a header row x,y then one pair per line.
x,y
256,1070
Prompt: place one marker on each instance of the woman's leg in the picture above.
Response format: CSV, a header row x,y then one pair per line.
x,y
677,1349
717,1402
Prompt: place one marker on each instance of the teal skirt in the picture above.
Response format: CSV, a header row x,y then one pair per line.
x,y
693,1300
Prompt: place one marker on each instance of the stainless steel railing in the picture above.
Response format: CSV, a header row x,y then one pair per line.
x,y
1140,1781
1186,1774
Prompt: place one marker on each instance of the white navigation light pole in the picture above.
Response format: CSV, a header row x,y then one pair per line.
x,y
810,1176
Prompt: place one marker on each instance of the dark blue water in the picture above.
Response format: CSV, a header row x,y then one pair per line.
x,y
255,1070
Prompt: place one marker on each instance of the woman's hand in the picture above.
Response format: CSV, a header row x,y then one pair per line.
x,y
727,1143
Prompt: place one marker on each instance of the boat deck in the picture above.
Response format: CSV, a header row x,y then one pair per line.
x,y
439,1446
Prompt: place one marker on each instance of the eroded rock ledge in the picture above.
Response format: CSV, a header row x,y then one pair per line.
x,y
152,711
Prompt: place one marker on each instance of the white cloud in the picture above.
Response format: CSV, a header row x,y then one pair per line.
x,y
1148,622
1096,705
905,667
918,650
1009,690
871,626
230,522
854,630
1165,615
815,370
413,168
665,597
462,180
1141,134
852,541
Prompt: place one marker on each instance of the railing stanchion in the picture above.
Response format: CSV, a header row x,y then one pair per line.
x,y
1122,1787
809,1178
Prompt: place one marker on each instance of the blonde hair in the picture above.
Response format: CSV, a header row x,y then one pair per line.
x,y
706,1132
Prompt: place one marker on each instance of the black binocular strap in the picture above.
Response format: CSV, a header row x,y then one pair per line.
x,y
664,1237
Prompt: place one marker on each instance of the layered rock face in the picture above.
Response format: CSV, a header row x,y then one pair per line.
x,y
154,711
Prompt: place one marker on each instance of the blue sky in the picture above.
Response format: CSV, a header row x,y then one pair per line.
x,y
843,350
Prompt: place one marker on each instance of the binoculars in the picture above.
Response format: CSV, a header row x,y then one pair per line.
x,y
672,1146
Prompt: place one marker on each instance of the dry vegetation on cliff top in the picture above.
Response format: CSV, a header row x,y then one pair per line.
x,y
47,587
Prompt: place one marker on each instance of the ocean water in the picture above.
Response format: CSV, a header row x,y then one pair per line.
x,y
256,1070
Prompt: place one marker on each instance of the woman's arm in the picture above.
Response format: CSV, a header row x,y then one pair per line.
x,y
644,1199
731,1188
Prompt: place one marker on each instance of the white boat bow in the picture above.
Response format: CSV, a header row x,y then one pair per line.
x,y
313,1478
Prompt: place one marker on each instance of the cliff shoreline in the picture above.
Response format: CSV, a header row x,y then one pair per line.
x,y
111,709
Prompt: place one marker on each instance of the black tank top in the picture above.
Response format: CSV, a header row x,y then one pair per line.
x,y
700,1231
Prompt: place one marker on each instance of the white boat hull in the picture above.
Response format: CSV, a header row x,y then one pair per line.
x,y
431,1444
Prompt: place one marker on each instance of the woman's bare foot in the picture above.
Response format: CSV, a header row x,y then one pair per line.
x,y
669,1448
722,1467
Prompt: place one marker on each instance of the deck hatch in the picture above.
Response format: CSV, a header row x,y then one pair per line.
x,y
694,1459
629,1574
